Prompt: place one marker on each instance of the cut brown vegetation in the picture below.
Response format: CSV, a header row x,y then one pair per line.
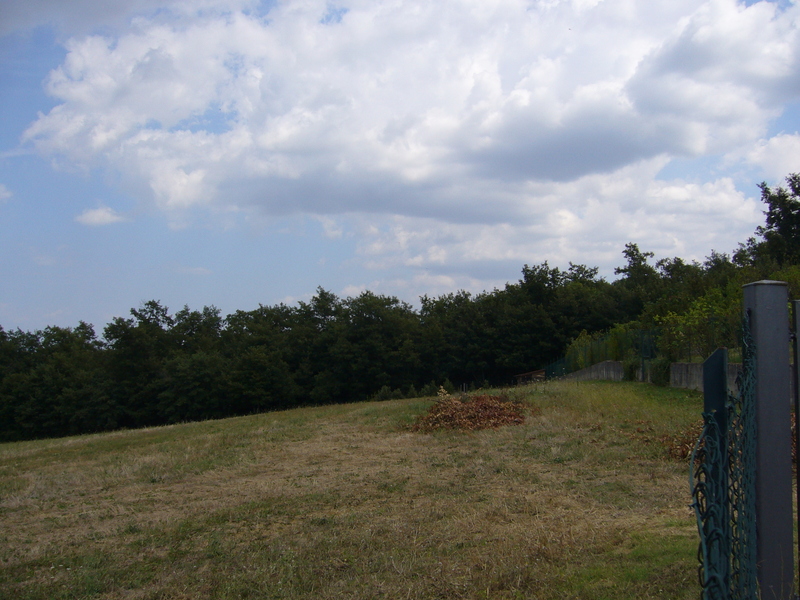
x,y
470,413
680,446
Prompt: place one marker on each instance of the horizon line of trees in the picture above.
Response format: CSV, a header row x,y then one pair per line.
x,y
157,368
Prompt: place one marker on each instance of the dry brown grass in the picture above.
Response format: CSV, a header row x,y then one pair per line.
x,y
348,502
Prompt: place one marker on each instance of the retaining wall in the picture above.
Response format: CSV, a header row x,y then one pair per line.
x,y
610,370
681,375
690,375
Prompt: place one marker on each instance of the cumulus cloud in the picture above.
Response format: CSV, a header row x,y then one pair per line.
x,y
458,131
593,216
96,217
777,156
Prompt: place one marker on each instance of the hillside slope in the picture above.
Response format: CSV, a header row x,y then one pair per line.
x,y
345,501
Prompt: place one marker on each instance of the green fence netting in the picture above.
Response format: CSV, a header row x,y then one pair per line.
x,y
638,345
723,491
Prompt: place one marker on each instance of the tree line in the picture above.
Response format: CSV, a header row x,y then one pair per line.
x,y
156,367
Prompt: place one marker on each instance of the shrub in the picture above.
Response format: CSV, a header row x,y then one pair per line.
x,y
659,371
429,389
631,366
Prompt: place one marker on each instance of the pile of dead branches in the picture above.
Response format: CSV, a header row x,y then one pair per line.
x,y
470,413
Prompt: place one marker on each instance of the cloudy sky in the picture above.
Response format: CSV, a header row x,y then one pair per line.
x,y
237,152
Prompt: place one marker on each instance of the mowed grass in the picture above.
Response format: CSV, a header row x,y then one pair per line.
x,y
345,502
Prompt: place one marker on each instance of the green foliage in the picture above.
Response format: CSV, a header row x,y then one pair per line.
x,y
448,386
619,342
387,393
660,371
782,230
631,366
429,389
711,321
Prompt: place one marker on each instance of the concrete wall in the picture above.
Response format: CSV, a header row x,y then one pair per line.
x,y
610,370
690,375
681,375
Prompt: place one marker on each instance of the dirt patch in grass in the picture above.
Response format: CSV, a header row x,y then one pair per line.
x,y
470,413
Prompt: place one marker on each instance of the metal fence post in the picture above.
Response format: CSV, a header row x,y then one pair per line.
x,y
715,387
715,400
769,318
796,391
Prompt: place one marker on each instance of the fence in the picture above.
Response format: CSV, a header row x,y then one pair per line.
x,y
723,485
637,345
741,472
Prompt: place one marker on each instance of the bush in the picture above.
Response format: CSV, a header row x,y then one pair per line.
x,y
631,366
387,393
429,389
448,385
659,371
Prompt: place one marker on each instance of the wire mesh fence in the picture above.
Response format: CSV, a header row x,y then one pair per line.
x,y
723,490
634,346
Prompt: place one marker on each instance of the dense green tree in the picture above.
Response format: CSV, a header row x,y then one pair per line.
x,y
781,233
455,337
376,346
195,331
138,350
196,386
57,385
640,283
266,360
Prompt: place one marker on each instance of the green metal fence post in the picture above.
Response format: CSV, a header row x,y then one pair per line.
x,y
767,302
796,392
715,400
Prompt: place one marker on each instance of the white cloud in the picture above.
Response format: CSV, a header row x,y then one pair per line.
x,y
413,94
351,291
96,217
451,133
5,193
777,156
332,228
593,218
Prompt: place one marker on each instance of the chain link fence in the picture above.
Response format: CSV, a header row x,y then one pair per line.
x,y
723,490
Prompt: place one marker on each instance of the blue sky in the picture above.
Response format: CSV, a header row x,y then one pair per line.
x,y
235,152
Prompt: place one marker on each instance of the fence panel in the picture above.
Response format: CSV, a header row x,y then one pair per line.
x,y
723,481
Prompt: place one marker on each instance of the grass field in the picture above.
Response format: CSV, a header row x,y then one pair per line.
x,y
345,501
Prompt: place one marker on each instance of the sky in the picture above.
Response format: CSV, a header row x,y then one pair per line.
x,y
242,152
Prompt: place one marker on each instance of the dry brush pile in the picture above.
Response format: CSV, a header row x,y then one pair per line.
x,y
470,413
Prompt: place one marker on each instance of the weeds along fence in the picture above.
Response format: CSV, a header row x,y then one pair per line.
x,y
634,347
